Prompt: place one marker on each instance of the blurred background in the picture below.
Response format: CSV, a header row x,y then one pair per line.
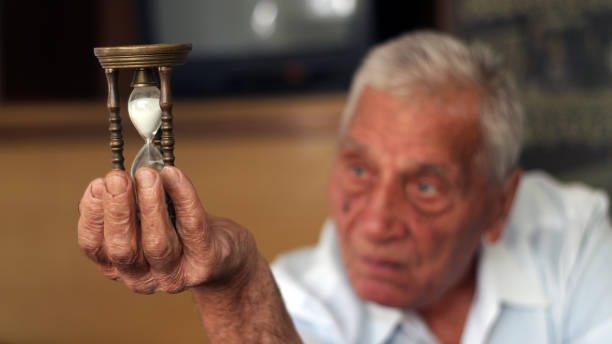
x,y
255,113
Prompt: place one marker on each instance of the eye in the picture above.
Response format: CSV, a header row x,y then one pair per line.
x,y
358,170
427,188
429,195
357,176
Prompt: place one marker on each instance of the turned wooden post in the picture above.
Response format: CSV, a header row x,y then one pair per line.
x,y
116,137
165,102
167,135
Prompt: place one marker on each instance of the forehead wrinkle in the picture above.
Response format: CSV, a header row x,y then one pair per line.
x,y
437,169
457,127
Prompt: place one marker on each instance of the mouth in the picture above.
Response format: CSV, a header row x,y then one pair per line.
x,y
381,266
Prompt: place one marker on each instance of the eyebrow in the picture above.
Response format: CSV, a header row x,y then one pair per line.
x,y
439,170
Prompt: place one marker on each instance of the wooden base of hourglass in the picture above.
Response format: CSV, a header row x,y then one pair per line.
x,y
161,57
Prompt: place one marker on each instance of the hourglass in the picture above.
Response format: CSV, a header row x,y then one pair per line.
x,y
149,104
145,114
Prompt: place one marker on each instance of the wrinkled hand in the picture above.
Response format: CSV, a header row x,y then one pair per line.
x,y
150,254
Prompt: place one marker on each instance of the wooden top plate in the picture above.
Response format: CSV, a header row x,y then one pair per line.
x,y
143,56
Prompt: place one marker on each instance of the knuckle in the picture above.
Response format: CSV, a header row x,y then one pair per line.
x,y
88,243
174,288
192,225
92,252
147,208
171,281
157,247
189,206
118,215
89,222
145,291
192,222
119,207
144,285
142,289
109,271
121,254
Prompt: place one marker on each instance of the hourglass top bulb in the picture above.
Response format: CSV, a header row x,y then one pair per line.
x,y
144,110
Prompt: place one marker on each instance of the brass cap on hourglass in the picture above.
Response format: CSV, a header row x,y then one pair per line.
x,y
145,77
142,56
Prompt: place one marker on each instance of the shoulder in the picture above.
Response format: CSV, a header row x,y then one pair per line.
x,y
554,216
310,272
544,202
563,231
554,220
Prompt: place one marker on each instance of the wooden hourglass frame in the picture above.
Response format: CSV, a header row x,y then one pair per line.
x,y
142,58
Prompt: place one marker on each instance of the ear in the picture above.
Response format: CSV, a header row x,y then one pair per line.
x,y
505,201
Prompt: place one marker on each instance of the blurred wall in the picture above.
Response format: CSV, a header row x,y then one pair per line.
x,y
559,52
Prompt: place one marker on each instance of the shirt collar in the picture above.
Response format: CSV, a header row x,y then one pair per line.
x,y
383,322
507,281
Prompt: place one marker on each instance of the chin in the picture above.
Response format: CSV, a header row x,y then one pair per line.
x,y
383,293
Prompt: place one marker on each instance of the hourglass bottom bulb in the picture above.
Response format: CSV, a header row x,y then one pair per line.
x,y
148,155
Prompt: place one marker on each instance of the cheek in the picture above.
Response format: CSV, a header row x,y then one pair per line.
x,y
438,239
450,235
427,232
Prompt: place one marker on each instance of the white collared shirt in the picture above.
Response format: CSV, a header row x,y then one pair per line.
x,y
547,280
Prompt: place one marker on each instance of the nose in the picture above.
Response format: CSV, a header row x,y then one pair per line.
x,y
379,221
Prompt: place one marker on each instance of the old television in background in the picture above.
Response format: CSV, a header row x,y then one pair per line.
x,y
264,46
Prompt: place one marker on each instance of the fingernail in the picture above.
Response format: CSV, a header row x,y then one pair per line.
x,y
145,178
97,189
116,184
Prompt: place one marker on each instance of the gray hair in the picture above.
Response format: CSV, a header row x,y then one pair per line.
x,y
427,58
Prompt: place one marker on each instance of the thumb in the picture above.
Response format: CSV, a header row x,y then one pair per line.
x,y
190,215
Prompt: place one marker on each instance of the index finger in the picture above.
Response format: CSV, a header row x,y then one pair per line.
x,y
90,227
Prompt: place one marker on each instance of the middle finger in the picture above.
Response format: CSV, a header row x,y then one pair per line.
x,y
120,226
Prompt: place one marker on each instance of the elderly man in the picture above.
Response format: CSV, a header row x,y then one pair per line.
x,y
427,241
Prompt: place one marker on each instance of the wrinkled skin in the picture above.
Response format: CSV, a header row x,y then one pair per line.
x,y
215,257
150,255
411,198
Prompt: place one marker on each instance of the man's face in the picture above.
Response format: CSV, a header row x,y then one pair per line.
x,y
409,196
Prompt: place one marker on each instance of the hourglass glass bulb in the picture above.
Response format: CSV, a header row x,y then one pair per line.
x,y
144,110
145,113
